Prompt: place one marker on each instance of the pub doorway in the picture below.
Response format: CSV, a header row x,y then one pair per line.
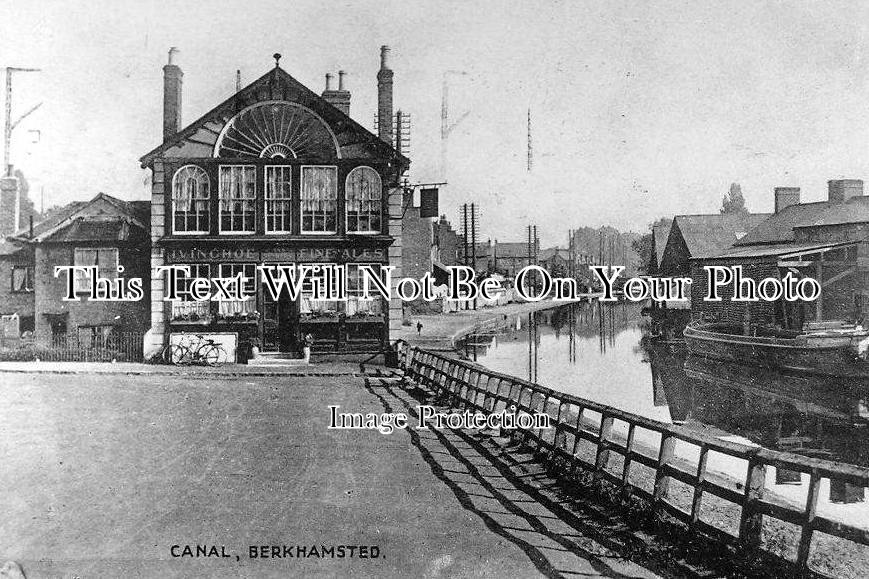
x,y
280,323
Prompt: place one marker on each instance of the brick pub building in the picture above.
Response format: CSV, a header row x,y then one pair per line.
x,y
276,174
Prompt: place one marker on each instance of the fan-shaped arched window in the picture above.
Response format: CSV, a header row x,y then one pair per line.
x,y
364,193
191,194
278,130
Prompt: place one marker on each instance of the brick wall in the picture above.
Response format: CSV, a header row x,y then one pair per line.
x,y
50,290
416,243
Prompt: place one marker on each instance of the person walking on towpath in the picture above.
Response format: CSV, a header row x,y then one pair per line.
x,y
307,343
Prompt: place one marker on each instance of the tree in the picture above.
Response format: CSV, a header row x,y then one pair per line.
x,y
733,202
643,244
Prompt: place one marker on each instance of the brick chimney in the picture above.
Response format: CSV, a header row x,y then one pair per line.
x,y
172,78
785,197
840,190
340,99
10,206
384,97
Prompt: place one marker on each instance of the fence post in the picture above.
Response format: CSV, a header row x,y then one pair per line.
x,y
665,457
698,485
751,521
809,521
626,468
603,453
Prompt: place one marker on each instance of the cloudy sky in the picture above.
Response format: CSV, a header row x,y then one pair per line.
x,y
639,109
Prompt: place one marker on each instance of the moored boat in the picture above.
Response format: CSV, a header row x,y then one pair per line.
x,y
831,352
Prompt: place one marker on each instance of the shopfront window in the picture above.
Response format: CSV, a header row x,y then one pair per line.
x,y
186,308
309,307
364,193
319,199
237,198
235,310
357,307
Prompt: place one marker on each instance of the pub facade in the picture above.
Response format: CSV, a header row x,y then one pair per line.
x,y
275,175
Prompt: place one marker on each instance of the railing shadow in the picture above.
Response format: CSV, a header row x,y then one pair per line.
x,y
497,490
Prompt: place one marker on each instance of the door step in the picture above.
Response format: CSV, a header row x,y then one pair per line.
x,y
276,359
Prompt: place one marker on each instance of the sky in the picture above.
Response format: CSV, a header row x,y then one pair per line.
x,y
638,109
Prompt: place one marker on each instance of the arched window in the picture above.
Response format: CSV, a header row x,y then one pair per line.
x,y
364,193
191,192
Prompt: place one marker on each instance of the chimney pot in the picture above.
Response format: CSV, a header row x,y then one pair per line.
x,y
785,197
173,52
384,57
328,81
341,74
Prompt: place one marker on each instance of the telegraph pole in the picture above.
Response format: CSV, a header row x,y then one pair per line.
x,y
9,126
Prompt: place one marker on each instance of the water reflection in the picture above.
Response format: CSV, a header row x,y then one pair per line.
x,y
603,353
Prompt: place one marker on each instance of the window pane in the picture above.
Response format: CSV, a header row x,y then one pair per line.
x,y
237,198
319,195
364,191
190,195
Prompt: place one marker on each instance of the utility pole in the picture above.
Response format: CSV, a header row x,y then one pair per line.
x,y
9,126
474,242
530,148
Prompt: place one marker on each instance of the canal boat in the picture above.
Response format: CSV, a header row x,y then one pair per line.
x,y
828,352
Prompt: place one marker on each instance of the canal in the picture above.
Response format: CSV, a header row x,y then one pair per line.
x,y
602,352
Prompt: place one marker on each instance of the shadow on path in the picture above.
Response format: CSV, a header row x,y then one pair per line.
x,y
559,542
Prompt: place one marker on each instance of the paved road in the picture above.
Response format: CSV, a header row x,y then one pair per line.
x,y
101,475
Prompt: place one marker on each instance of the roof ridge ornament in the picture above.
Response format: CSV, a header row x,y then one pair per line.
x,y
277,57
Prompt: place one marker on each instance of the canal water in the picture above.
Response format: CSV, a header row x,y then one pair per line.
x,y
602,352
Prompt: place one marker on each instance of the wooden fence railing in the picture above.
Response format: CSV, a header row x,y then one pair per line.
x,y
614,434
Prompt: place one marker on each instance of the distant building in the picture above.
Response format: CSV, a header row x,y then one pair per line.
x,y
479,257
696,236
555,260
508,258
447,242
104,231
827,240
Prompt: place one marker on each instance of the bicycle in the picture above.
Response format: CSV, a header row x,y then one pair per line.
x,y
196,350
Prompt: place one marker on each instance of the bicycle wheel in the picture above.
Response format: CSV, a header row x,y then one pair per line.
x,y
179,354
214,355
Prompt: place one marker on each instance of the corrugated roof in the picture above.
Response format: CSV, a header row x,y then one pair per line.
x,y
708,235
738,252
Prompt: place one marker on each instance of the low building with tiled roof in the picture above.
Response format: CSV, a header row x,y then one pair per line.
x,y
105,231
826,240
697,236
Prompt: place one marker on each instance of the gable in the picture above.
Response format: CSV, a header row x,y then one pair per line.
x,y
304,113
100,209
